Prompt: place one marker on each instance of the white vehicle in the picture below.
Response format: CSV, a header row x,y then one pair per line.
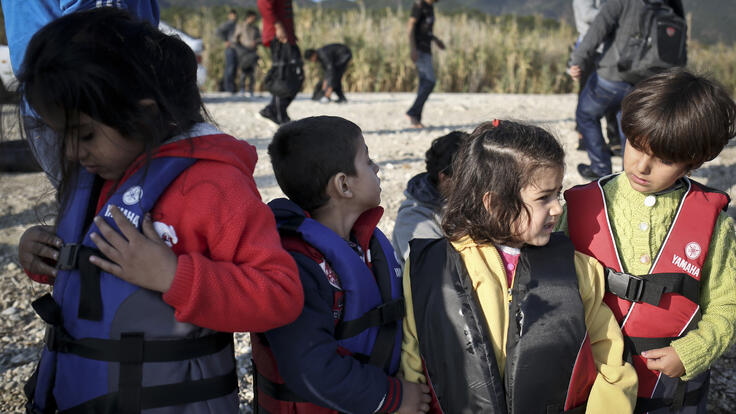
x,y
195,44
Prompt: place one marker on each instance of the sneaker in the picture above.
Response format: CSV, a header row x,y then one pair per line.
x,y
267,114
341,100
587,172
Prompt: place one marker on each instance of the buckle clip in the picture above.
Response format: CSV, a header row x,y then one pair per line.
x,y
624,285
68,256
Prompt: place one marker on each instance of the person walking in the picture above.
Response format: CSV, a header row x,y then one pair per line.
x,y
584,12
420,41
607,87
278,35
225,33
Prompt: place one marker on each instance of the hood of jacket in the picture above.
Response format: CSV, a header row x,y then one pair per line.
x,y
422,190
205,142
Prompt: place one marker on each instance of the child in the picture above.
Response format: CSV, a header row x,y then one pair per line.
x,y
342,353
503,315
135,315
419,215
669,246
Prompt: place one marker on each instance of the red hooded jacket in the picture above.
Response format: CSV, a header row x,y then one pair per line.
x,y
232,273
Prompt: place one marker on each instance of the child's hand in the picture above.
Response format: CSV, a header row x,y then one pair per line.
x,y
416,398
664,360
37,244
142,259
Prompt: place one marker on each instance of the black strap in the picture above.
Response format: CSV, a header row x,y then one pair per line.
x,y
90,293
113,350
378,316
164,395
684,399
276,391
636,345
650,288
76,256
131,373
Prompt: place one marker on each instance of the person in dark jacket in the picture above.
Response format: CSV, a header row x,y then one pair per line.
x,y
334,59
607,87
347,266
225,32
419,215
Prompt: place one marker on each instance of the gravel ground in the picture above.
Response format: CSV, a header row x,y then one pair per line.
x,y
399,151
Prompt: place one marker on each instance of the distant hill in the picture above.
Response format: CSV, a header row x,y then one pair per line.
x,y
711,19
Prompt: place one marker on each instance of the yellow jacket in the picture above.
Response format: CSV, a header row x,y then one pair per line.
x,y
616,385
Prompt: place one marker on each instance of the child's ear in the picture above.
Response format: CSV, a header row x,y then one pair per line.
x,y
339,186
487,201
148,104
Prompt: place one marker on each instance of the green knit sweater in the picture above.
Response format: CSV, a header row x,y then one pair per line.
x,y
639,231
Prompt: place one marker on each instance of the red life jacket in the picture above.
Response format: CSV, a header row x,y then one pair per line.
x,y
656,308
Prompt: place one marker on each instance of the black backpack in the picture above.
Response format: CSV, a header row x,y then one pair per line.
x,y
659,44
286,76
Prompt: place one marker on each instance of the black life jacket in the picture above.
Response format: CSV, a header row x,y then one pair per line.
x,y
549,364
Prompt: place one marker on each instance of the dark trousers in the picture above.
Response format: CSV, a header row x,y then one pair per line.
x,y
598,97
336,81
426,84
612,132
248,74
231,68
278,105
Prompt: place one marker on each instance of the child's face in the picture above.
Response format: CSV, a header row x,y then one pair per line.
x,y
649,174
365,184
542,199
98,148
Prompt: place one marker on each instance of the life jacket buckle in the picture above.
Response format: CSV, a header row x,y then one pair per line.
x,y
68,256
625,285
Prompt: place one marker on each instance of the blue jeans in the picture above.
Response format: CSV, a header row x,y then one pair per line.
x,y
598,96
426,84
231,68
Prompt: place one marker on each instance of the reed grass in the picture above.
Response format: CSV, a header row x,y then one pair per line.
x,y
498,54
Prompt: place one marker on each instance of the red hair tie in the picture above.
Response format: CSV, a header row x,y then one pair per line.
x,y
495,123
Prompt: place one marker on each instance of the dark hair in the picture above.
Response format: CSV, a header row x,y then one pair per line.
x,y
103,63
679,117
233,11
250,12
500,160
307,153
309,53
440,154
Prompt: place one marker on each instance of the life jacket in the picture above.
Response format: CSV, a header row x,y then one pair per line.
x,y
369,327
549,364
111,346
659,307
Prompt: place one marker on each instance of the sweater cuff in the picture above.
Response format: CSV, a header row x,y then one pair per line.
x,y
392,400
693,358
180,291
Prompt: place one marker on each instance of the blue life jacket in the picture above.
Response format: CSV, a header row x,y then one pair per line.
x,y
112,346
371,328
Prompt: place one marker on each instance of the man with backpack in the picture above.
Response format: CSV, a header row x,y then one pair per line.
x,y
648,36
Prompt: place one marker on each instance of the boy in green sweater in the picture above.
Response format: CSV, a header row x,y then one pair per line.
x,y
666,240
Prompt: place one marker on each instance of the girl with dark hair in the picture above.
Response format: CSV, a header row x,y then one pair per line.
x,y
505,316
162,243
